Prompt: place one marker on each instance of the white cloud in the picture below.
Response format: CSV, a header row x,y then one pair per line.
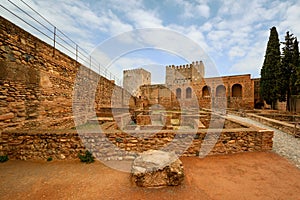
x,y
202,10
194,9
240,30
207,26
144,19
115,25
291,20
134,12
236,31
252,61
194,33
236,51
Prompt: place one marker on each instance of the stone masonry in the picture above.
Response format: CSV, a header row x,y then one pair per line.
x,y
37,84
115,145
186,87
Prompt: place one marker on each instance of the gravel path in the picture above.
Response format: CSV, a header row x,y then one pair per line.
x,y
283,144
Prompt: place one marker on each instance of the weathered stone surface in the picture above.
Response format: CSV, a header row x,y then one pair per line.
x,y
7,116
157,168
15,142
43,83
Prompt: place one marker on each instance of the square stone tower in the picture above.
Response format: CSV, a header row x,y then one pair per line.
x,y
134,78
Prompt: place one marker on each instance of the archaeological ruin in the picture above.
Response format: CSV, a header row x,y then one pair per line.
x,y
42,114
187,85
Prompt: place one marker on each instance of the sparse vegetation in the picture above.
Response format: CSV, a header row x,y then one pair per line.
x,y
3,158
87,157
197,136
49,159
86,126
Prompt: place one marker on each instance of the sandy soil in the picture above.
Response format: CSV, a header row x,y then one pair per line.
x,y
241,176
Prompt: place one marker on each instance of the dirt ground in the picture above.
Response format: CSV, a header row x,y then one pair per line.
x,y
240,176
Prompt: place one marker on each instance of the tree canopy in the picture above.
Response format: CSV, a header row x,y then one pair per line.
x,y
289,70
269,83
280,73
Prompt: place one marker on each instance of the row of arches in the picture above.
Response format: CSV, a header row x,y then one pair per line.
x,y
236,91
188,93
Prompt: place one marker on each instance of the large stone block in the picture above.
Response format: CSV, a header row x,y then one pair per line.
x,y
157,168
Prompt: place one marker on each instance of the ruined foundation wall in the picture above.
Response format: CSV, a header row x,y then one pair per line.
x,y
115,144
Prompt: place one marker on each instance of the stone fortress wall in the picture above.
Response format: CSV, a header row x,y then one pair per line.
x,y
186,86
37,83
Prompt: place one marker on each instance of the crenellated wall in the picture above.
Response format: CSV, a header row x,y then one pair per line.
x,y
184,73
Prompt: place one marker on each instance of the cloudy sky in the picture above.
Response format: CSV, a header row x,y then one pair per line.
x,y
233,34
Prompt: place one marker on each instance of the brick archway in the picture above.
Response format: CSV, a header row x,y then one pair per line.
x,y
188,93
236,90
178,93
206,91
220,91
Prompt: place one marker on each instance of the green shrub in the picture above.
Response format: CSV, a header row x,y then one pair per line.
x,y
3,158
197,136
49,159
87,157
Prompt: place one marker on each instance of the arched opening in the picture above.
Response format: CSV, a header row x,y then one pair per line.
x,y
206,91
188,93
221,91
259,105
236,90
178,93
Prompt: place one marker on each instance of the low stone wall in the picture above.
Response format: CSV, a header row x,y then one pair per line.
x,y
143,119
118,145
283,126
122,120
281,117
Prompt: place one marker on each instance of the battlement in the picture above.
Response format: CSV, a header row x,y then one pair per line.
x,y
180,74
187,66
192,72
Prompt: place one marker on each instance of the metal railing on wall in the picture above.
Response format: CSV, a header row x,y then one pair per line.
x,y
57,38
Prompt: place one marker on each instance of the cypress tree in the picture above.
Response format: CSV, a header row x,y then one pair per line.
x,y
296,69
287,71
269,89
